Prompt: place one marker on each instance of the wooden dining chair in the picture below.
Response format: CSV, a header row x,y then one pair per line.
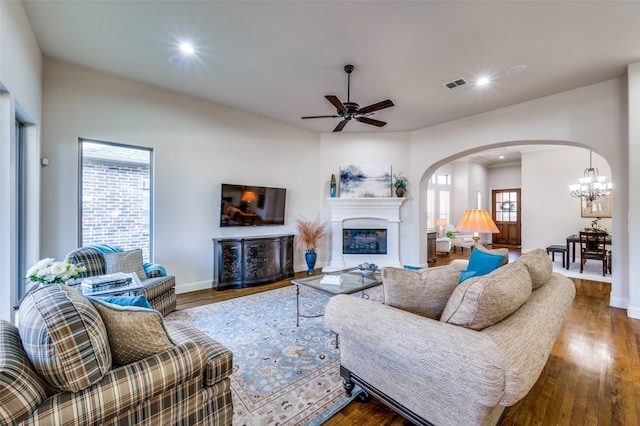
x,y
592,247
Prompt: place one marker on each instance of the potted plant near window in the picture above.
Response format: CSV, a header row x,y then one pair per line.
x,y
400,184
310,236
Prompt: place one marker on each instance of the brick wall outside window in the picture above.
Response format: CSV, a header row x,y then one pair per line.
x,y
115,205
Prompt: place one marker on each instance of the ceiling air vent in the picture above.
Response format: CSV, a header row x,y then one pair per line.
x,y
455,83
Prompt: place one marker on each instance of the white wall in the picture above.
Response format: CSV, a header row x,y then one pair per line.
x,y
633,197
20,92
461,190
504,177
197,145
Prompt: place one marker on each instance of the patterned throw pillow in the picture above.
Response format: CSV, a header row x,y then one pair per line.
x,y
134,333
64,338
422,292
480,302
125,261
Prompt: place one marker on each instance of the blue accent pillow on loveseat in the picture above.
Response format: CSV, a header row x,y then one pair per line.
x,y
482,263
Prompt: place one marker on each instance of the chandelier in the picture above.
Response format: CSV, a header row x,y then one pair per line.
x,y
591,186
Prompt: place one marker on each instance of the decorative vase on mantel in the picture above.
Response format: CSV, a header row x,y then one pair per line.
x,y
333,186
310,257
400,191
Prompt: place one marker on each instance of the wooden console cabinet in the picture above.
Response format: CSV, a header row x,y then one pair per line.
x,y
431,246
251,261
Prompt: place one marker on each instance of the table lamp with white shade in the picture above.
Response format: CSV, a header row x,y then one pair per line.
x,y
477,221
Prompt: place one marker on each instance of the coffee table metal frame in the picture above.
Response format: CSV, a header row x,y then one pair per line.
x,y
353,281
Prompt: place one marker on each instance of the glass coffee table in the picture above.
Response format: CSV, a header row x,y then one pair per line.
x,y
353,281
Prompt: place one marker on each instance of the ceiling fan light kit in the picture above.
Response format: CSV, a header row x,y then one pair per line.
x,y
351,110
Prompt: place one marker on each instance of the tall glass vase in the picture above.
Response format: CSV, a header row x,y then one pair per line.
x,y
310,257
333,186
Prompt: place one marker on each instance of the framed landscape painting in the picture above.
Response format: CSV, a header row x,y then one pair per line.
x,y
597,208
365,180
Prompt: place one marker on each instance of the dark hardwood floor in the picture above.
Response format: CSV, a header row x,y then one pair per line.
x,y
592,376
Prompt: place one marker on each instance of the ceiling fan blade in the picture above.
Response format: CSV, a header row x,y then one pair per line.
x,y
336,102
341,125
371,121
321,116
376,107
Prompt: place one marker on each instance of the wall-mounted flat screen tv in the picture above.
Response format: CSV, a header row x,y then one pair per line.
x,y
243,205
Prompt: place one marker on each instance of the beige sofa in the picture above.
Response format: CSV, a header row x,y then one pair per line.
x,y
444,353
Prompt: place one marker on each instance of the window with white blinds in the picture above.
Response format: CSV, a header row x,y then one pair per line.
x,y
431,209
438,200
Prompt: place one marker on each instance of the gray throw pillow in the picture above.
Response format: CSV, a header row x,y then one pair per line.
x,y
125,261
483,301
422,292
539,265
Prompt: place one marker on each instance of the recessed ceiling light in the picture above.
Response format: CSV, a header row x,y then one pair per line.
x,y
186,48
501,157
516,70
483,81
179,62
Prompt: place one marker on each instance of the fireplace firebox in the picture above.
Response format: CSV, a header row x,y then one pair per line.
x,y
364,241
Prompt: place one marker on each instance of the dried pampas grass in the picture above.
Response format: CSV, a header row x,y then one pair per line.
x,y
310,234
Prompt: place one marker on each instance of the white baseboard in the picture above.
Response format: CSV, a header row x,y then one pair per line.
x,y
618,302
188,287
633,312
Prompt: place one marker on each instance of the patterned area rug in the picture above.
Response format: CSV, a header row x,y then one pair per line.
x,y
283,374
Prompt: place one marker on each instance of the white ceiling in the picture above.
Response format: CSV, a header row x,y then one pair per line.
x,y
279,59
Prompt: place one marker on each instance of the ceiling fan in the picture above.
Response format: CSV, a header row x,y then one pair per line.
x,y
349,110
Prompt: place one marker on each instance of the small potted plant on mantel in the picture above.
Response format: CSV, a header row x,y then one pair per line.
x,y
400,184
310,236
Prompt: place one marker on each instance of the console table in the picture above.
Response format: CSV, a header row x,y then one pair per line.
x,y
251,261
432,256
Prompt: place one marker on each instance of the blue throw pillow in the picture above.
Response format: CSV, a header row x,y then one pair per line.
x,y
411,268
466,274
139,301
483,263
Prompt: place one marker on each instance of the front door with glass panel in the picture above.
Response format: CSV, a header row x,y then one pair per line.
x,y
506,214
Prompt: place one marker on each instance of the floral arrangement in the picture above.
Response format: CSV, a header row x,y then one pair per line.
x,y
400,181
48,271
595,225
310,234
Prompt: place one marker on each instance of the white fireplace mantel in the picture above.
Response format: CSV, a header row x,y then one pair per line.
x,y
364,209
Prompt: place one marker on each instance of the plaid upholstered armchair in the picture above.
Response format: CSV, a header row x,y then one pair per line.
x,y
72,361
159,288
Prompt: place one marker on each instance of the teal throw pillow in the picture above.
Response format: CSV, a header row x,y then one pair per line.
x,y
466,274
483,263
411,268
139,301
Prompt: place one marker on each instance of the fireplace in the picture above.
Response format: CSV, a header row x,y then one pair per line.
x,y
364,241
365,217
